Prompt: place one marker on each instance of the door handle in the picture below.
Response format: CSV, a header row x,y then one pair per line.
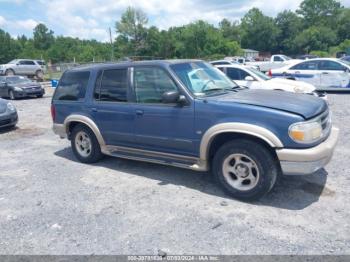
x,y
325,73
94,109
139,112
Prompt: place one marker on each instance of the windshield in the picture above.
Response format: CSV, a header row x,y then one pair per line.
x,y
259,74
17,79
286,57
202,79
13,61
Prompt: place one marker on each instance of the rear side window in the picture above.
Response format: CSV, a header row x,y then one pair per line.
x,y
72,86
112,86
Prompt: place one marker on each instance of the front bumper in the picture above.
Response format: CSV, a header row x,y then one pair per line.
x,y
308,161
8,120
29,92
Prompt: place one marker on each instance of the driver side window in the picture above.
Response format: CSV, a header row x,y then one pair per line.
x,y
151,83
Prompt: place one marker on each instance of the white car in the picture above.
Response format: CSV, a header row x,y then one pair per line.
x,y
324,73
251,78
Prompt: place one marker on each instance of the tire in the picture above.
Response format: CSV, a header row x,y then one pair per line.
x,y
39,74
40,96
88,150
256,169
9,72
12,95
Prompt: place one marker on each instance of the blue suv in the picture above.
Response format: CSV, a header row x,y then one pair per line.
x,y
188,114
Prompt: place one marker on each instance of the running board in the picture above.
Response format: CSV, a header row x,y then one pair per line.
x,y
180,161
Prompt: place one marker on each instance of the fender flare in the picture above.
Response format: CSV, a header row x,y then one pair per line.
x,y
238,128
87,121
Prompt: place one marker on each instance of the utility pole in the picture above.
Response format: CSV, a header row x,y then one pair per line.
x,y
111,40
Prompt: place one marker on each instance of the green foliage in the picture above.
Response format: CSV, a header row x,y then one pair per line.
x,y
259,31
315,38
9,48
43,37
319,12
320,53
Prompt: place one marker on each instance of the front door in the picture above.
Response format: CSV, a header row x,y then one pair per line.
x,y
162,127
110,110
307,72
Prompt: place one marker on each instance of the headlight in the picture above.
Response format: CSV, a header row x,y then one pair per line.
x,y
11,107
306,132
298,89
18,89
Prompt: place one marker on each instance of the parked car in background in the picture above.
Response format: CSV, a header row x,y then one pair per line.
x,y
223,62
25,67
251,78
19,86
188,114
307,57
276,61
324,73
8,114
346,58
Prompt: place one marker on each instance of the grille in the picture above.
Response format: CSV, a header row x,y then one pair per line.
x,y
5,122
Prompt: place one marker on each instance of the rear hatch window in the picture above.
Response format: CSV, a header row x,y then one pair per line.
x,y
72,86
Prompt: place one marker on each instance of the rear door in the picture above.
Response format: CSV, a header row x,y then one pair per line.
x,y
159,126
333,74
111,110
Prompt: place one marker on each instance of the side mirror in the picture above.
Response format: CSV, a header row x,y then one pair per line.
x,y
249,78
3,84
172,97
346,70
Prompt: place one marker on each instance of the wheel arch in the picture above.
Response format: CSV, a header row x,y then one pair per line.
x,y
218,134
72,120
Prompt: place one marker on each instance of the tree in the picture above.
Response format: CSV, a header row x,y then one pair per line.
x,y
259,31
132,27
9,48
343,24
320,12
289,25
230,31
43,37
315,38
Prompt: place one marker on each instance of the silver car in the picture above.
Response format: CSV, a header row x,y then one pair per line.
x,y
26,67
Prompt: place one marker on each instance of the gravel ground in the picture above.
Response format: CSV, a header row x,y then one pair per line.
x,y
51,204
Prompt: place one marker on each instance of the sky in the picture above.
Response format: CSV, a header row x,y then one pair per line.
x,y
90,19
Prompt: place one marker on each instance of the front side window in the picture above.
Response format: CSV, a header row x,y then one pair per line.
x,y
72,86
202,79
277,59
112,85
151,83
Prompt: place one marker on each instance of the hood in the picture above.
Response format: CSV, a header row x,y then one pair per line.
x,y
3,106
304,105
291,85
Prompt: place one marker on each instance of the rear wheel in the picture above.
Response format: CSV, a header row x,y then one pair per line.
x,y
9,72
39,74
245,169
85,145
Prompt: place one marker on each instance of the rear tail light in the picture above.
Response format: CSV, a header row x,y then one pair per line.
x,y
269,73
53,112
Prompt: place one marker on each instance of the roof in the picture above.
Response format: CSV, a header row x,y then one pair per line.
x,y
133,63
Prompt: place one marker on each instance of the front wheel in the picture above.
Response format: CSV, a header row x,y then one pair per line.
x,y
39,74
12,95
85,145
245,169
